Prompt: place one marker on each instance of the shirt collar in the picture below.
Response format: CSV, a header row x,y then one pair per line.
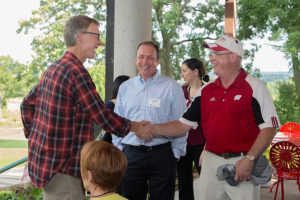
x,y
237,82
150,79
70,55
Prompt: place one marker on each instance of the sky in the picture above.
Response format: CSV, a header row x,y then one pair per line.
x,y
17,46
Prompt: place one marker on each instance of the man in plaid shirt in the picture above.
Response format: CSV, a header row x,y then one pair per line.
x,y
59,112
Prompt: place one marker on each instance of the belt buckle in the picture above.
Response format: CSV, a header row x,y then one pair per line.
x,y
226,155
149,148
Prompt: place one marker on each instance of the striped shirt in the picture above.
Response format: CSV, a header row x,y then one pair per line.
x,y
58,115
159,100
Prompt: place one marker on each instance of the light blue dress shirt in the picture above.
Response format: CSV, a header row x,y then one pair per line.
x,y
159,100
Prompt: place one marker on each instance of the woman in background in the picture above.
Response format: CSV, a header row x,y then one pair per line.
x,y
116,84
111,104
193,74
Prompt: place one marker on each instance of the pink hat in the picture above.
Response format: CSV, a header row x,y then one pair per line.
x,y
226,43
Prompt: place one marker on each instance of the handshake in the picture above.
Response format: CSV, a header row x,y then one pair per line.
x,y
145,130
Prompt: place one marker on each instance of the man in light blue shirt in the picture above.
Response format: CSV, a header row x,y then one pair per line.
x,y
152,97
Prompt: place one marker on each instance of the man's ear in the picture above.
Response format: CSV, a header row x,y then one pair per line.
x,y
79,38
234,56
236,59
158,61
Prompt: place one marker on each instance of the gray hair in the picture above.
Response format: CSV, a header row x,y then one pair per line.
x,y
74,26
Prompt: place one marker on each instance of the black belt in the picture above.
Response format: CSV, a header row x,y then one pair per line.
x,y
148,148
231,155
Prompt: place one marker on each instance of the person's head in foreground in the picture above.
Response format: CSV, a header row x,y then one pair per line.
x,y
102,167
226,54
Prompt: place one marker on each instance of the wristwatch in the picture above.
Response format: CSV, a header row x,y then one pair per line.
x,y
250,157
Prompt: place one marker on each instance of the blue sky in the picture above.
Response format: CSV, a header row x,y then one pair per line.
x,y
18,47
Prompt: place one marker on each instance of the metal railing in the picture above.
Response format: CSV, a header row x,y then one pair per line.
x,y
12,165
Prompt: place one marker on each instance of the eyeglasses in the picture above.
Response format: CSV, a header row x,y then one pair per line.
x,y
93,34
214,55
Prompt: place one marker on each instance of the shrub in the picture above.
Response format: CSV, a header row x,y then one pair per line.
x,y
21,193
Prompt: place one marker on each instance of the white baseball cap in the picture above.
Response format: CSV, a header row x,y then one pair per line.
x,y
226,43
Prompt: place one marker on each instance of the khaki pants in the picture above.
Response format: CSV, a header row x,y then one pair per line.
x,y
63,187
210,187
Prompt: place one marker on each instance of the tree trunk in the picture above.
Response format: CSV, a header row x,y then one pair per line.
x,y
165,60
296,70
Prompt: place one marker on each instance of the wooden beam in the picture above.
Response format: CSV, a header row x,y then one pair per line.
x,y
230,18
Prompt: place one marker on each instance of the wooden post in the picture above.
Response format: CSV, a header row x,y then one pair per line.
x,y
230,17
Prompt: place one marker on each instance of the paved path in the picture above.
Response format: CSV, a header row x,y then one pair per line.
x,y
12,177
11,133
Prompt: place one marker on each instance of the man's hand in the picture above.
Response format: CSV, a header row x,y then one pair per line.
x,y
244,169
150,127
144,130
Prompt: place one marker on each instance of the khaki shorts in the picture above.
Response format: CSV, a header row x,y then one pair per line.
x,y
63,187
210,187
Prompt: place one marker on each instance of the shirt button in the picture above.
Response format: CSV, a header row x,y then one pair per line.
x,y
223,100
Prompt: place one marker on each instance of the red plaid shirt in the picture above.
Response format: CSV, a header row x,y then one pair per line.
x,y
58,116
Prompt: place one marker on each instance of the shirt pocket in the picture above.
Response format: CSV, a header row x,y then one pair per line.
x,y
159,108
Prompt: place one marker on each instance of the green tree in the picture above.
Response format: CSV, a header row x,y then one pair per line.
x,y
50,19
181,27
97,73
287,108
281,19
12,79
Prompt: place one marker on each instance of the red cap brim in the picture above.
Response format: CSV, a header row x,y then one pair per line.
x,y
214,47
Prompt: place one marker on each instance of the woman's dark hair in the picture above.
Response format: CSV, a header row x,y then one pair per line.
x,y
117,82
194,63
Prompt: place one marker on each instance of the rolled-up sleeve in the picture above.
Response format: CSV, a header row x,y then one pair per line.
x,y
192,115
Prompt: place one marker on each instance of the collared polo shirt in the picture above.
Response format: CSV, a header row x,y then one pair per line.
x,y
233,117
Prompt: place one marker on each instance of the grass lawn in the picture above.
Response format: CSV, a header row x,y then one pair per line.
x,y
13,144
12,151
10,155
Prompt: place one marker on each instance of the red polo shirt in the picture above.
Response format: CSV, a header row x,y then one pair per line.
x,y
232,118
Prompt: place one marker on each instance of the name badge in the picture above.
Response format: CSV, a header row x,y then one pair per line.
x,y
154,103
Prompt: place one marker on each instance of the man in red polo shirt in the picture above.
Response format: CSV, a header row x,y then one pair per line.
x,y
238,118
